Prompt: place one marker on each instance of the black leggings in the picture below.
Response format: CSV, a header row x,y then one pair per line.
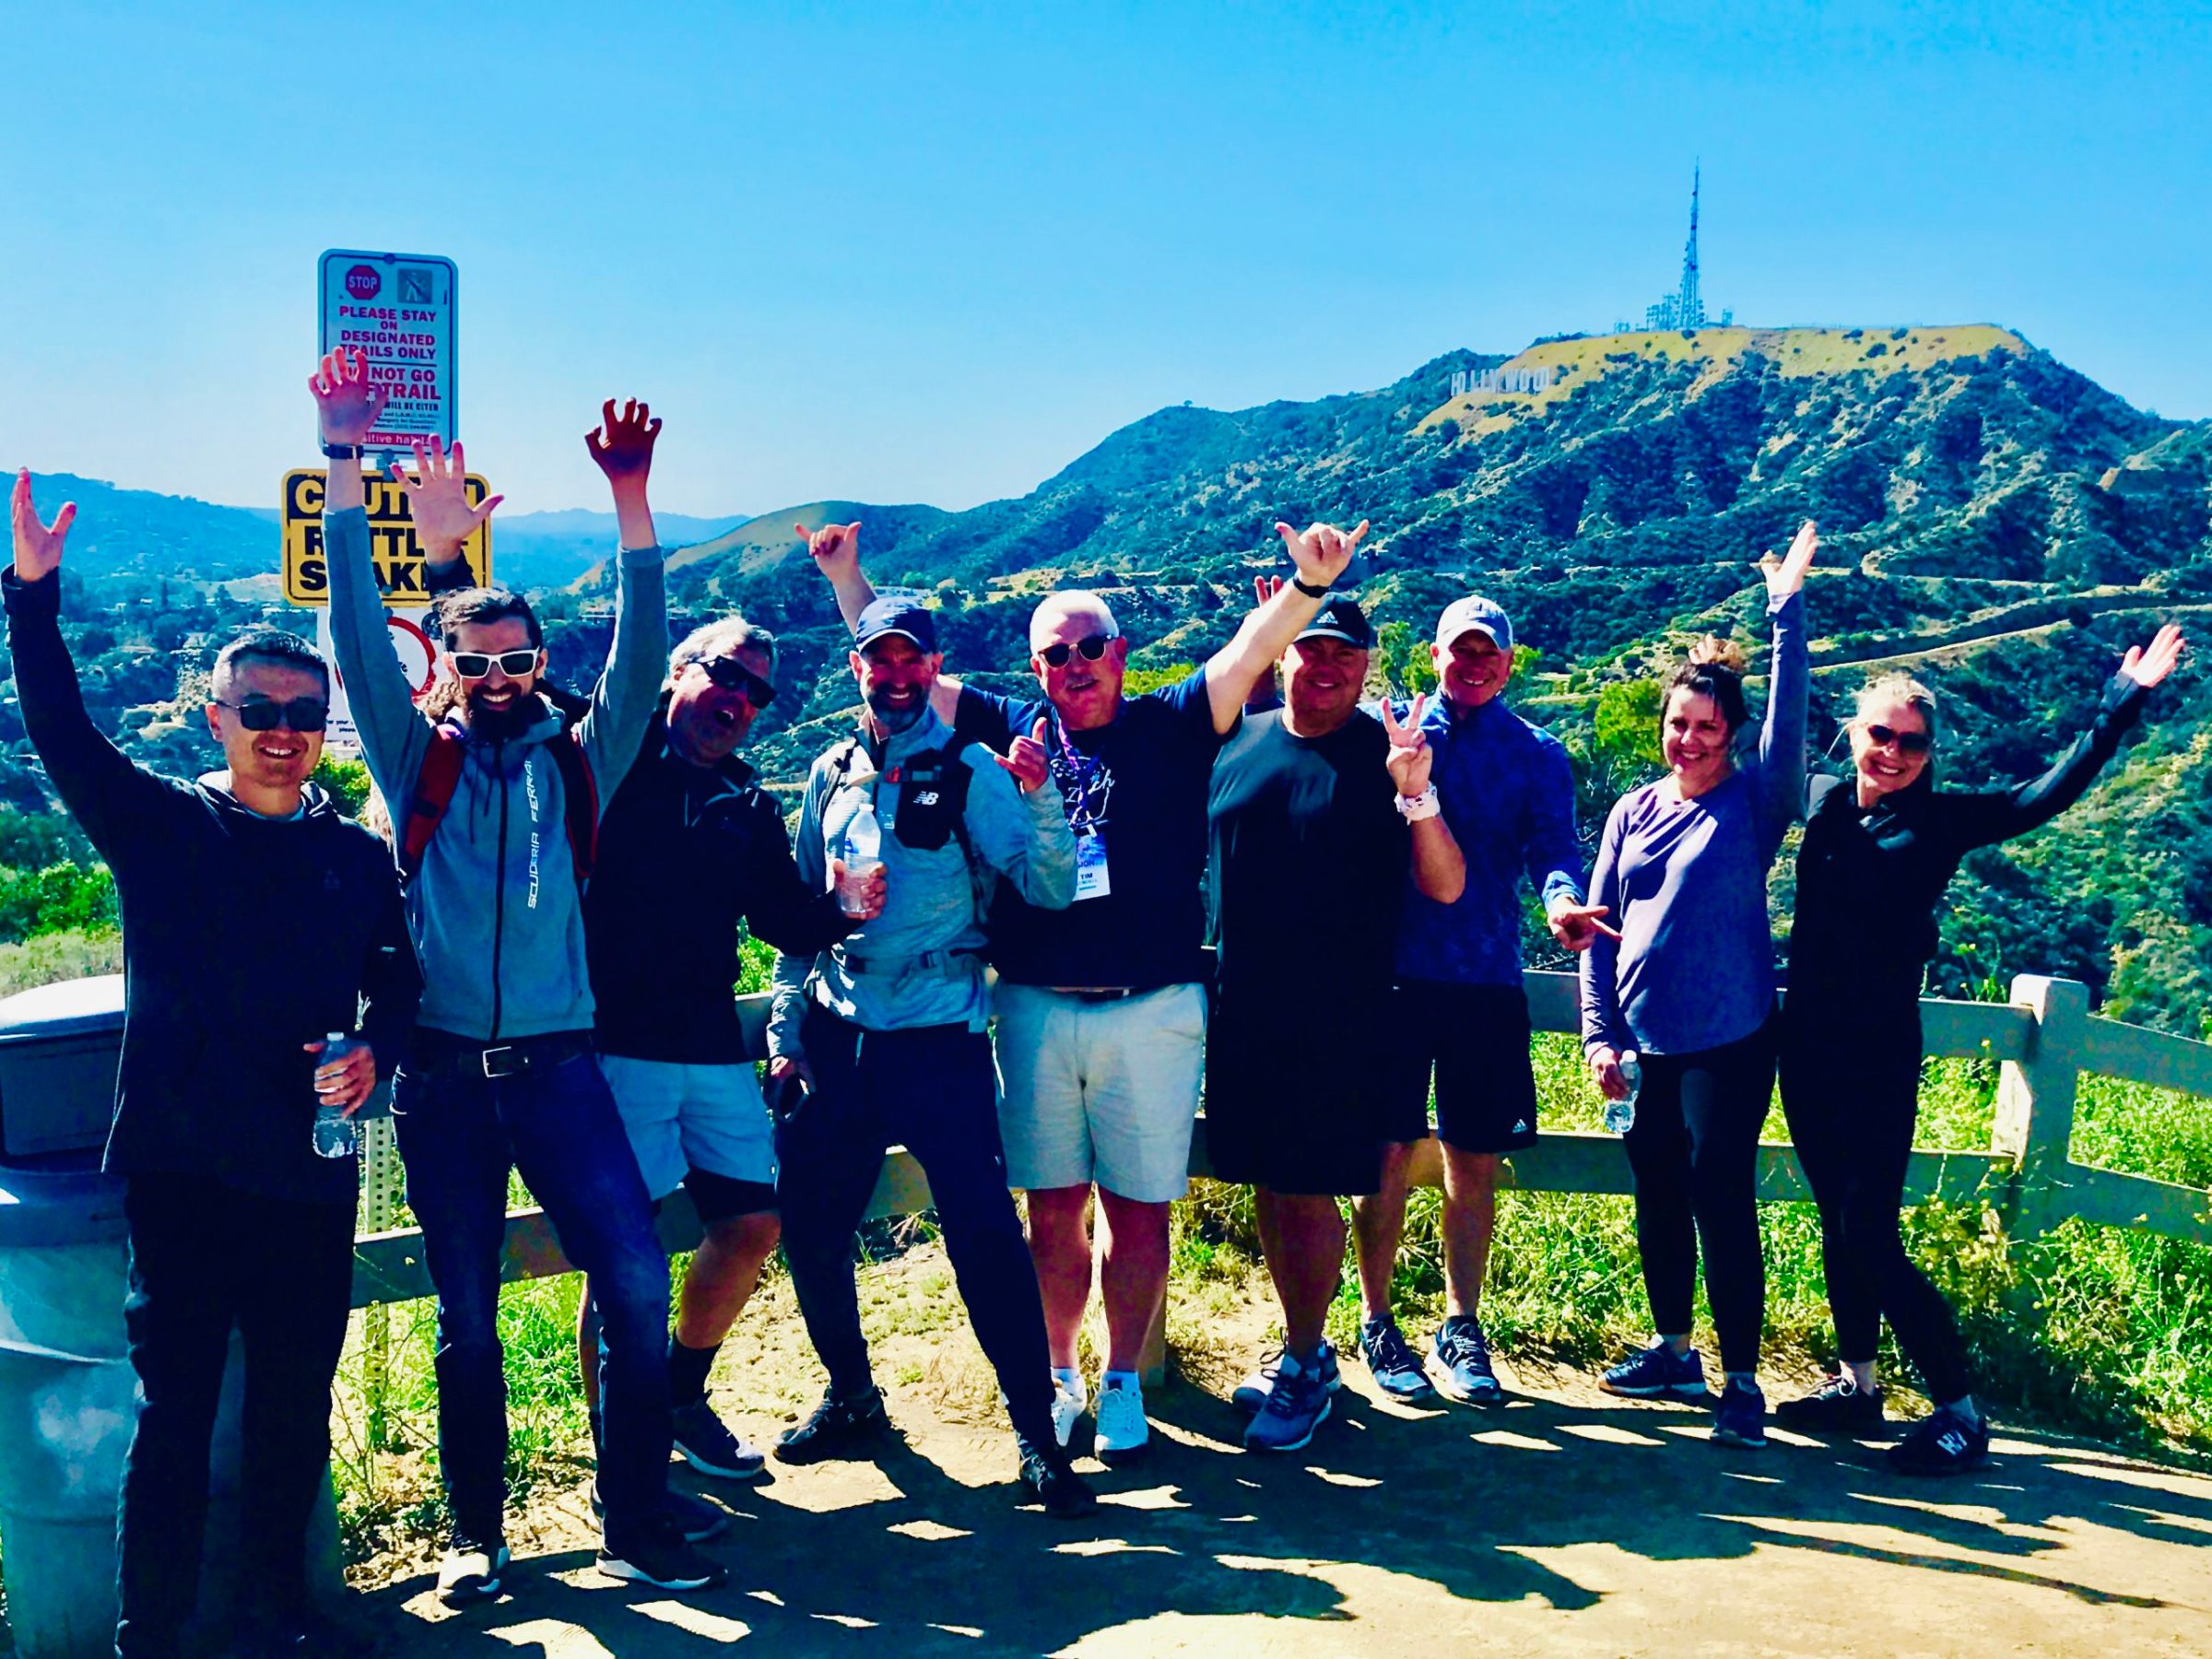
x,y
1852,1097
1694,1149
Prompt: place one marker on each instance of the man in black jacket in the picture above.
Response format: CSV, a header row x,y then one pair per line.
x,y
255,920
691,849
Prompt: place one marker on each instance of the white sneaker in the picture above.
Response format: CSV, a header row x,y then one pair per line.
x,y
471,1571
1123,1433
1070,1401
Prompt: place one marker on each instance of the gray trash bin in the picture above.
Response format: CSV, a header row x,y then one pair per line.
x,y
66,1383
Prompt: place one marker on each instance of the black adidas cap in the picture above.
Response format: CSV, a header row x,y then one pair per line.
x,y
1340,617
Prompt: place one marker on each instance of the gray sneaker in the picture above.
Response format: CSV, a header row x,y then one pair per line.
x,y
1251,1394
1296,1405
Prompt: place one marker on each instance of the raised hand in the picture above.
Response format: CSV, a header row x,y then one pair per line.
x,y
1786,575
437,498
1576,926
1410,756
349,1082
835,549
621,444
1028,759
1321,551
38,545
2147,665
346,403
1264,588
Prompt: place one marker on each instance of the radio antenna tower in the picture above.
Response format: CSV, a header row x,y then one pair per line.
x,y
1693,303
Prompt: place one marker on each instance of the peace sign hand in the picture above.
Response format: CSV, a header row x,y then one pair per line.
x,y
1786,575
38,545
835,549
347,404
438,499
2145,667
1028,759
1410,758
1321,551
621,445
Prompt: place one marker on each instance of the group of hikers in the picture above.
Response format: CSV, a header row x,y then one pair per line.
x,y
542,961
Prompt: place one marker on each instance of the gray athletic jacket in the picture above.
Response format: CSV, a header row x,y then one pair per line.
x,y
495,912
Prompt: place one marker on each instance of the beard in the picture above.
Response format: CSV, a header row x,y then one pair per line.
x,y
501,724
896,718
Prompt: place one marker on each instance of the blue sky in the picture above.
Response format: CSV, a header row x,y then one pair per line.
x,y
934,252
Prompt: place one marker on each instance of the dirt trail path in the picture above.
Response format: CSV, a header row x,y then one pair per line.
x,y
1563,1521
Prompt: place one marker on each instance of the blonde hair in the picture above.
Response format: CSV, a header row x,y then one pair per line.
x,y
1714,652
1894,689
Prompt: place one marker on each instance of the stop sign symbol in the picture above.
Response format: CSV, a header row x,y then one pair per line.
x,y
363,283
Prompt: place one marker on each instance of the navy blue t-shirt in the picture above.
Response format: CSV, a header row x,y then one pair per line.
x,y
1135,789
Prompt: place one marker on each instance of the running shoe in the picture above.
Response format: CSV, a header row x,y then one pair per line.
x,y
837,1429
696,1518
1251,1394
706,1443
1070,1401
1944,1442
1047,1478
1296,1405
1837,1406
1657,1374
1122,1435
1740,1419
1392,1362
471,1571
1463,1361
660,1556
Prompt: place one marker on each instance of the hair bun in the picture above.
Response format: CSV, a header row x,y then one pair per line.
x,y
1714,652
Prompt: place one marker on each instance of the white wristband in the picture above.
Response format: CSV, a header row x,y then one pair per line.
x,y
1413,808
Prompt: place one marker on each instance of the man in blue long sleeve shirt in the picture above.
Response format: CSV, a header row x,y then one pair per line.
x,y
1508,796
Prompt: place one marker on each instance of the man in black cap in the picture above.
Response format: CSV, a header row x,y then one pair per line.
x,y
1316,811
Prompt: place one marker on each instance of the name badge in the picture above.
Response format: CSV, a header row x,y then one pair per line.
x,y
1091,881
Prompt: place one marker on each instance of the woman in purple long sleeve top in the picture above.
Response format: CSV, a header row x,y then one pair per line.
x,y
1690,987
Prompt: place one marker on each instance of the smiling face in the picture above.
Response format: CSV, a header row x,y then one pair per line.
x,y
498,697
1085,692
266,762
1473,671
708,720
896,676
1322,678
1887,767
1693,735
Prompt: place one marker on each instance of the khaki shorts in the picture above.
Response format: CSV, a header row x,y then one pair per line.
x,y
1100,1092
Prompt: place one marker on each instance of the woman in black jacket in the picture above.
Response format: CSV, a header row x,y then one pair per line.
x,y
1879,848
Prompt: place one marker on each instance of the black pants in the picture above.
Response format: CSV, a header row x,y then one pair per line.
x,y
1851,1095
1694,1149
204,1257
932,1091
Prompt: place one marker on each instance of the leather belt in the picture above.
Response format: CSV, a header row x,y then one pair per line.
x,y
439,1050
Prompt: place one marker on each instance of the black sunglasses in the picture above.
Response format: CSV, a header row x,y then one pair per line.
x,y
475,665
1092,649
265,715
1908,743
731,674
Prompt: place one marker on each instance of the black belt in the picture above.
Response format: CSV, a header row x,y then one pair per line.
x,y
1110,994
436,1051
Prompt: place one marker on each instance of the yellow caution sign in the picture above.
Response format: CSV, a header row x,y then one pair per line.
x,y
393,549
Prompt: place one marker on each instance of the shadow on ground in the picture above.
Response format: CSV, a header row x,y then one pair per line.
x,y
1546,1512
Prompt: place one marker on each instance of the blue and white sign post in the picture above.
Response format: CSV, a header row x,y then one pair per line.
x,y
398,311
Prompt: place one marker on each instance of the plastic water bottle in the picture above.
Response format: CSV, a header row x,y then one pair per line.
x,y
863,856
1621,1115
337,1135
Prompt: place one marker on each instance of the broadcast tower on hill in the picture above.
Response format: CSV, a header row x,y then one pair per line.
x,y
1684,308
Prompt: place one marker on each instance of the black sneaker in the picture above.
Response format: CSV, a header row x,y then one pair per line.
x,y
1945,1442
1837,1406
835,1429
661,1556
696,1518
1046,1479
704,1441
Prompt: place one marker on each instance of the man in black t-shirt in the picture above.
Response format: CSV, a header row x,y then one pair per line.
x,y
1315,810
1102,1007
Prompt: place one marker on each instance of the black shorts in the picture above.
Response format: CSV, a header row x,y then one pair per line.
x,y
720,1197
1296,1112
1474,1038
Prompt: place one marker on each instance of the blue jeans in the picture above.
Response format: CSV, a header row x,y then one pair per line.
x,y
459,1134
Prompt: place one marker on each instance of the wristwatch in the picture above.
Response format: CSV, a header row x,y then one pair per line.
x,y
344,452
1308,589
1413,808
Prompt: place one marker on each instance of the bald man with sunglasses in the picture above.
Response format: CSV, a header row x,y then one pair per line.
x,y
1102,1007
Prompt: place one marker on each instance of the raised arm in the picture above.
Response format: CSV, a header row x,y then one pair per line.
x,y
1321,553
1780,768
106,793
1439,869
623,701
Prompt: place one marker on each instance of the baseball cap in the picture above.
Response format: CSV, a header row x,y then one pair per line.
x,y
1340,617
1475,613
893,616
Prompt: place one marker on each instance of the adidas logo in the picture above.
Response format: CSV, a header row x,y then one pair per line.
x,y
1520,1126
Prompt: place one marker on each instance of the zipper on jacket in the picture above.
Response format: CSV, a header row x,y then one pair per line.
x,y
498,885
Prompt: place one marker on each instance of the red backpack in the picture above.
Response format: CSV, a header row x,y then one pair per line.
x,y
439,780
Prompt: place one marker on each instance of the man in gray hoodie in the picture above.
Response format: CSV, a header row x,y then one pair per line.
x,y
494,806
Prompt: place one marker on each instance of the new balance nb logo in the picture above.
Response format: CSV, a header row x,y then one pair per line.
x,y
928,797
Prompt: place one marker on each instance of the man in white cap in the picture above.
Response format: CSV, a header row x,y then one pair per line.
x,y
1508,797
